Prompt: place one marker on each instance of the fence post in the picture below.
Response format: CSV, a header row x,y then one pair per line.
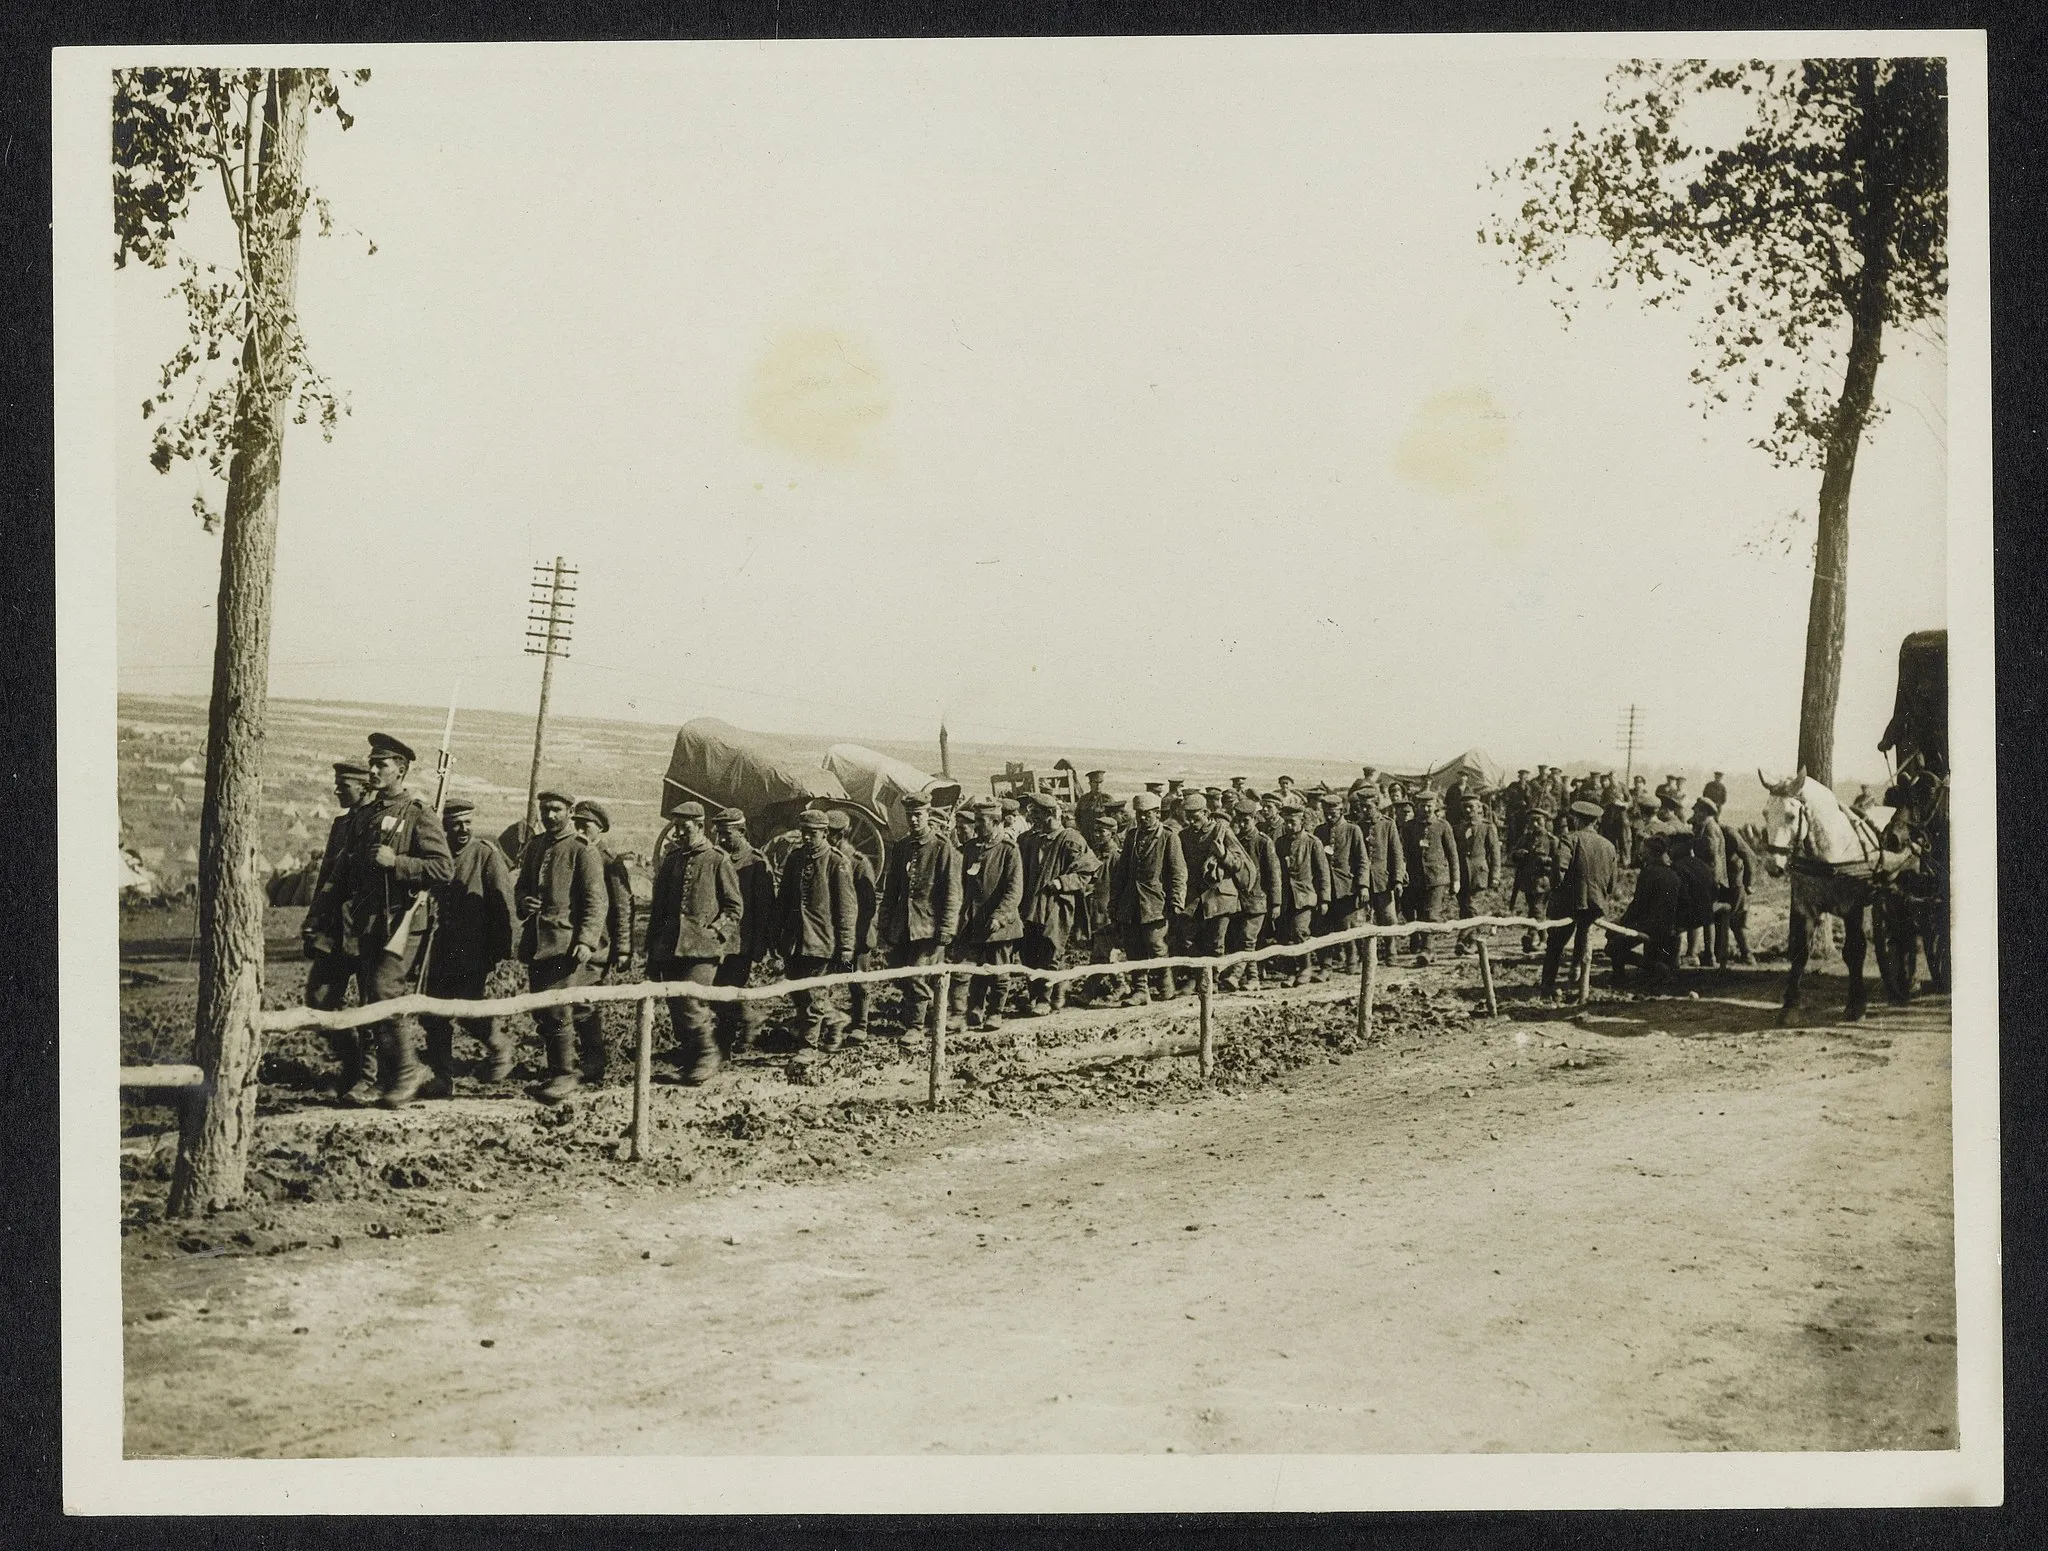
x,y
643,1080
1368,982
1486,979
938,1067
1206,1059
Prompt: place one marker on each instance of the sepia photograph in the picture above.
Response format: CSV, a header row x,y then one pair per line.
x,y
1213,773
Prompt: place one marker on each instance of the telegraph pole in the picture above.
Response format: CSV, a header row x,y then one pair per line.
x,y
1628,737
550,607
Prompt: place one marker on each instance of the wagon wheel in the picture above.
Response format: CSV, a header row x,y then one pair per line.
x,y
664,843
778,847
1933,917
1892,936
868,837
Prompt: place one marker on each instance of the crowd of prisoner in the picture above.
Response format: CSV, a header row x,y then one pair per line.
x,y
408,898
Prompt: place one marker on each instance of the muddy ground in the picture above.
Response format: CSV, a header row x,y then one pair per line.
x,y
1653,1224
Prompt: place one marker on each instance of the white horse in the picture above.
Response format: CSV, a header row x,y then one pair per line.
x,y
1836,860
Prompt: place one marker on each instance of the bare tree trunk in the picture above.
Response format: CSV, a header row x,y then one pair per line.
x,y
213,1145
1827,612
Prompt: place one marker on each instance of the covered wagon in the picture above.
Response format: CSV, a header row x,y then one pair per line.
x,y
723,766
880,783
1912,917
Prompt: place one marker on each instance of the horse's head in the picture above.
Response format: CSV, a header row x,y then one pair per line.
x,y
1784,820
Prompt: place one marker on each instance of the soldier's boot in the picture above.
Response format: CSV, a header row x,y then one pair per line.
x,y
404,1075
562,1079
351,1083
440,1062
1057,999
499,1055
700,1052
590,1042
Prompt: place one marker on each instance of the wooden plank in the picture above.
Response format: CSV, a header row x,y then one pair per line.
x,y
162,1077
643,1082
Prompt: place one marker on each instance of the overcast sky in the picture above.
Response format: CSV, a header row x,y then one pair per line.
x,y
1099,395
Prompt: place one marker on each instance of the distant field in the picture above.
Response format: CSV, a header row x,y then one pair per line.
x,y
163,754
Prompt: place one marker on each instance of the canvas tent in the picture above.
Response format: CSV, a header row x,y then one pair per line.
x,y
1474,770
879,782
137,879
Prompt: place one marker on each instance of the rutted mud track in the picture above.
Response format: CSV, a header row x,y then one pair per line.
x,y
1666,1224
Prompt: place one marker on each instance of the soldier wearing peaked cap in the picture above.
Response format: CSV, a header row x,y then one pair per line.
x,y
866,895
1089,801
740,1022
693,924
1386,866
593,823
333,956
1710,844
1304,881
396,853
1343,844
1436,867
1260,899
1219,871
476,918
562,900
991,925
1148,888
1058,865
1586,883
920,906
1538,859
820,912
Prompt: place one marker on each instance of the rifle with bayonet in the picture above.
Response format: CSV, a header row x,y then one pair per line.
x,y
420,908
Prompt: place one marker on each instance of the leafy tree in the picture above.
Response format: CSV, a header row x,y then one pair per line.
x,y
1795,209
223,401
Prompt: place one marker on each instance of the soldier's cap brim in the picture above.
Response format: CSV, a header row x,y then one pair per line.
x,y
552,796
348,769
384,743
587,809
456,805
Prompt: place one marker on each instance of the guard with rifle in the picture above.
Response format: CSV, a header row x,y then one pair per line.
x,y
396,855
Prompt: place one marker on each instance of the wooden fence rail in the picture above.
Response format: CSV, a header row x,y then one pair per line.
x,y
189,1081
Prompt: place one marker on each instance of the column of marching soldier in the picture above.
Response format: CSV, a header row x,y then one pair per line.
x,y
409,898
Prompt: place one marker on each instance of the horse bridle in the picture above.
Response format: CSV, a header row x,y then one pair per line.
x,y
1801,832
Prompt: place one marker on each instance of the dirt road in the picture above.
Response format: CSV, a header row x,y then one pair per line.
x,y
1666,1225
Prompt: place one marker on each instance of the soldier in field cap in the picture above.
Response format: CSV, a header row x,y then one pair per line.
x,y
820,913
920,904
397,853
593,822
693,922
332,953
740,1022
562,904
866,894
475,919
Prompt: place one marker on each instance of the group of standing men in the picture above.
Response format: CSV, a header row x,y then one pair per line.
x,y
407,897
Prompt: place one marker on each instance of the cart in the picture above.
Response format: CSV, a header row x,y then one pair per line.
x,y
722,766
1911,916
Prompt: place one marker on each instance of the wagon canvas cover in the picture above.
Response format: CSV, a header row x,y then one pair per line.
x,y
879,782
717,762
